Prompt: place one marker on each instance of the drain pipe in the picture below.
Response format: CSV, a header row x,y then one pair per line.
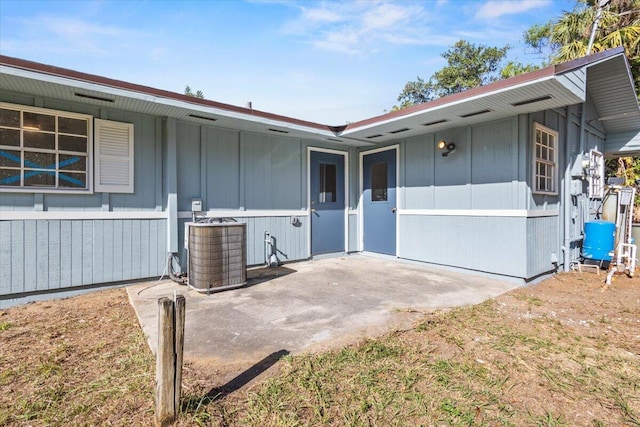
x,y
596,22
566,247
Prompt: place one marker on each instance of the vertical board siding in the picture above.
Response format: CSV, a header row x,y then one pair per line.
x,y
272,172
419,173
188,153
53,254
491,166
291,240
489,244
5,257
222,169
542,241
480,174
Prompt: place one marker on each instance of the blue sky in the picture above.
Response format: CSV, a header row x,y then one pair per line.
x,y
325,61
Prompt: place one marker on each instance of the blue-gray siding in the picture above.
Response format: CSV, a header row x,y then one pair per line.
x,y
291,239
54,254
488,244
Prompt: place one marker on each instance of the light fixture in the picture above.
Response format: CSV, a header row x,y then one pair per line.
x,y
448,147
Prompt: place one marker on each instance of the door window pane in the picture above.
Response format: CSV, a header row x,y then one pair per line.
x,y
327,183
379,182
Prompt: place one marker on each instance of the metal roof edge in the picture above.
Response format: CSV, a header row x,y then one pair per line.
x,y
193,102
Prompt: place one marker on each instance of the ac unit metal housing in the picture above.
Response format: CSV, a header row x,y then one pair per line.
x,y
217,255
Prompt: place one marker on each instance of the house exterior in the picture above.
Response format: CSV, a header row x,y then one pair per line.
x,y
97,176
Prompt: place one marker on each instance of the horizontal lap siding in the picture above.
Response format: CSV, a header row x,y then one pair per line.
x,y
53,254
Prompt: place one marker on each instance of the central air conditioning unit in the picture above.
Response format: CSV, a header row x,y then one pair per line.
x,y
217,254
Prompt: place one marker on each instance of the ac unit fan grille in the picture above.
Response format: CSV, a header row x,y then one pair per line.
x,y
217,256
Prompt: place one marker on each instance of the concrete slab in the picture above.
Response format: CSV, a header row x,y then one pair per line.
x,y
310,305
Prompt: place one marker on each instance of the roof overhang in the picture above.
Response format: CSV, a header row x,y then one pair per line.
x,y
507,98
40,80
605,76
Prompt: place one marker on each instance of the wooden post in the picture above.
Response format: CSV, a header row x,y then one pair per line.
x,y
180,308
171,319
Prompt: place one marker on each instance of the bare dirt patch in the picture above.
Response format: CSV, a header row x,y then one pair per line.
x,y
563,352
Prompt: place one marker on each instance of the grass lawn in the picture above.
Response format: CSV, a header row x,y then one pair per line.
x,y
565,352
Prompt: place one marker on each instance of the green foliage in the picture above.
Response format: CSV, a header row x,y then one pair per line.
x,y
469,66
196,94
568,37
514,68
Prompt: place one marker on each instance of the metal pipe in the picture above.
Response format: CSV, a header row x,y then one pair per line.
x,y
596,22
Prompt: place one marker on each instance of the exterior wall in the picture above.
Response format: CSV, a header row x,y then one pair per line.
x,y
291,240
474,209
488,244
71,240
46,255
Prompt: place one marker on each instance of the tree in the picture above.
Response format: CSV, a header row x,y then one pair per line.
x,y
568,37
469,65
197,94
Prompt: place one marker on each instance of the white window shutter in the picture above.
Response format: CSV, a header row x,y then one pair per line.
x,y
114,157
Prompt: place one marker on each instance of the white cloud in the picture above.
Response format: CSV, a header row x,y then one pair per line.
x,y
360,27
497,8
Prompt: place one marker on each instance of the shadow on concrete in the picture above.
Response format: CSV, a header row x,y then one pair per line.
x,y
255,276
192,403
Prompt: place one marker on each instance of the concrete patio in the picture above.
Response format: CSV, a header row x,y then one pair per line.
x,y
310,305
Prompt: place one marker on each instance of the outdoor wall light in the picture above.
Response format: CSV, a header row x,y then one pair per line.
x,y
448,147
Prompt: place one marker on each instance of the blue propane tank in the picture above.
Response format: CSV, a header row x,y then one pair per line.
x,y
599,239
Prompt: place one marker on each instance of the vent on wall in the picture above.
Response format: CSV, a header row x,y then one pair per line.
x,y
378,135
278,130
436,122
94,97
195,116
399,130
475,113
531,101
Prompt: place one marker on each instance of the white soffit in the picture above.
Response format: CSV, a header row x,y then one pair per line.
x,y
552,92
611,87
63,88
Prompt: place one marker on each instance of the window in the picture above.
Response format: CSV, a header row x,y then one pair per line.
x,y
327,183
596,175
44,150
379,182
545,160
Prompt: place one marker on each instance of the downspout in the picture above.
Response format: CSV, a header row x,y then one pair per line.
x,y
566,247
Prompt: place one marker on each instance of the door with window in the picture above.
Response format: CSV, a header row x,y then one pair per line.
x,y
327,202
379,201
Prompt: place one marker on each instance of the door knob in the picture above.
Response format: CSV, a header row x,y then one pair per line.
x,y
394,210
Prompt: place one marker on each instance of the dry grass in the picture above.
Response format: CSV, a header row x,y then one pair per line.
x,y
564,352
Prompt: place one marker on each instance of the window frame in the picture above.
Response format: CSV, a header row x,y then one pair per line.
x,y
549,163
56,151
595,175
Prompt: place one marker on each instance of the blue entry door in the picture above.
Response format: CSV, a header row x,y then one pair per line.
x,y
379,201
327,202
